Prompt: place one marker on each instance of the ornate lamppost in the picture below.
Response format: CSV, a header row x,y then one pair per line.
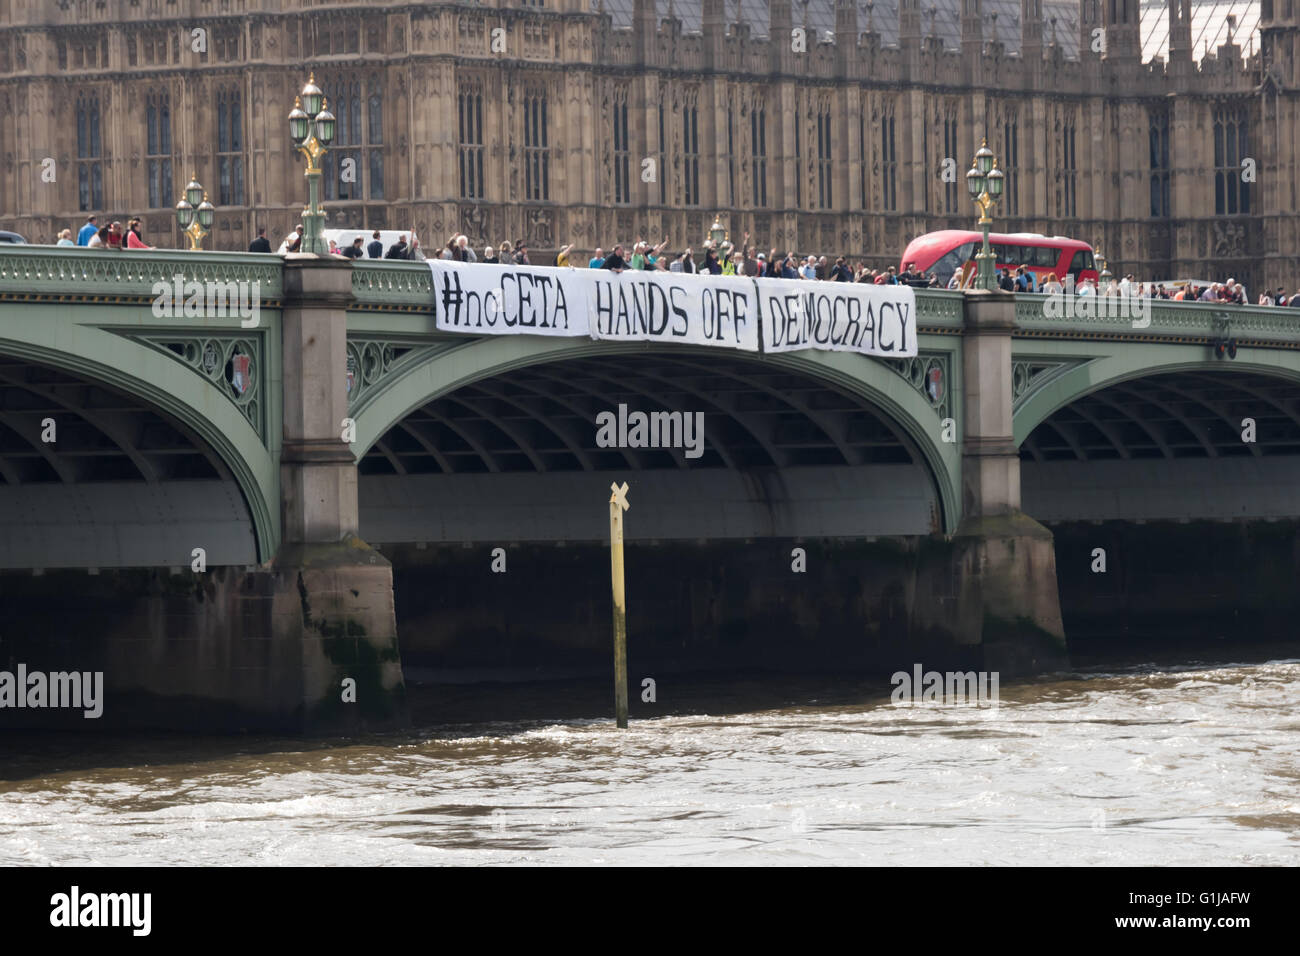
x,y
984,181
1104,274
718,233
311,125
194,214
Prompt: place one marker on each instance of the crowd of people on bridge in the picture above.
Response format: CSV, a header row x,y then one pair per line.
x,y
714,259
1229,292
111,236
745,260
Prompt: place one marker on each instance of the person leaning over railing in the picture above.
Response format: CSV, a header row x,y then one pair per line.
x,y
133,238
397,250
615,262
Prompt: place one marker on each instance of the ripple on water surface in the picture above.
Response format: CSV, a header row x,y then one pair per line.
x,y
1191,766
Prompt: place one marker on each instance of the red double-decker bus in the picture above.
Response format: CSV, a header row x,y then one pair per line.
x,y
949,250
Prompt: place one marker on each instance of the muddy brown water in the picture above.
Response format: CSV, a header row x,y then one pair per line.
x,y
1143,762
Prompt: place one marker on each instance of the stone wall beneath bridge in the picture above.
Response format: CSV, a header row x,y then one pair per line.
x,y
225,650
1179,584
1156,489
834,501
125,525
860,607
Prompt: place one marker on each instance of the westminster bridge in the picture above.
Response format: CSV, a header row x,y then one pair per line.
x,y
239,515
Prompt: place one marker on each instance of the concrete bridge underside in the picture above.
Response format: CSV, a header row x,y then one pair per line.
x,y
515,457
97,478
1168,447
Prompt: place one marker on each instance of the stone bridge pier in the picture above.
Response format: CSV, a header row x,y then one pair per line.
x,y
1003,562
285,621
331,595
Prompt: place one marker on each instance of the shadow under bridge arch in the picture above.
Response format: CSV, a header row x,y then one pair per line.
x,y
507,439
103,469
1192,439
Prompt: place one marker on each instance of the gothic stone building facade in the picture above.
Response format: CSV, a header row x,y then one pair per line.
x,y
583,121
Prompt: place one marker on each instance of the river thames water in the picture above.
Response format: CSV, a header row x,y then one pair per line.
x,y
1177,763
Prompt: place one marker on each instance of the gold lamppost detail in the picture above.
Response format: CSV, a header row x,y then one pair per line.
x,y
718,233
1103,275
194,214
311,125
984,182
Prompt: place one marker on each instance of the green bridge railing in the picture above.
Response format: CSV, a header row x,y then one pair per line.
x,y
75,274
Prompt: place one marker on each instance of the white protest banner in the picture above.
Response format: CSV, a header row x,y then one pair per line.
x,y
837,316
637,306
489,299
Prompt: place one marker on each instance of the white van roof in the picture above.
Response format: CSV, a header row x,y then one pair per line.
x,y
344,237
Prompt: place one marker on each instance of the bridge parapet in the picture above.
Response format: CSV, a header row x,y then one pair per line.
x,y
72,274
1151,320
380,285
938,310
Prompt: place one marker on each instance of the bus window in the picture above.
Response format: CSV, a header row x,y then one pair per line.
x,y
1046,257
1014,256
1082,260
952,261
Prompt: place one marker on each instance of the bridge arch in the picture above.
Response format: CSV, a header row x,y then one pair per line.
x,y
1129,362
870,382
1163,433
164,385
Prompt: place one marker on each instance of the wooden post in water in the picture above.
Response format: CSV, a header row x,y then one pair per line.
x,y
617,505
